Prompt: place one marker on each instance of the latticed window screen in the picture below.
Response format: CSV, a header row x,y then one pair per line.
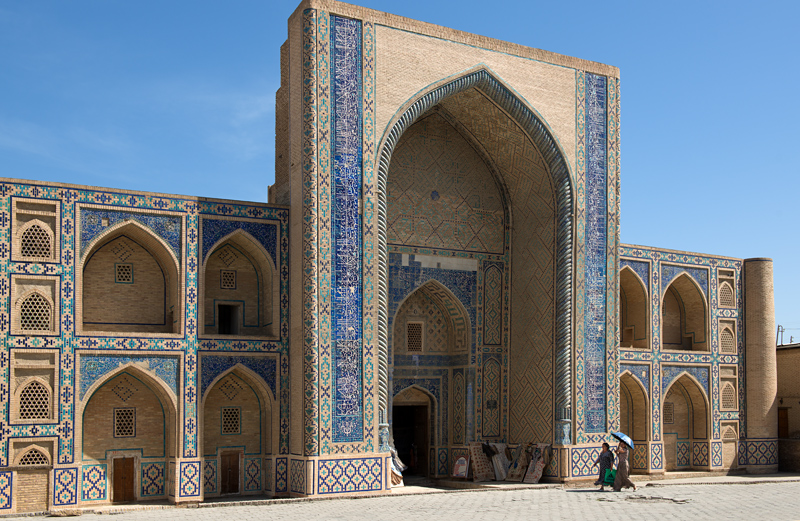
x,y
669,412
726,341
124,273
729,433
125,423
728,397
34,402
33,457
231,420
227,279
35,242
35,313
414,337
726,295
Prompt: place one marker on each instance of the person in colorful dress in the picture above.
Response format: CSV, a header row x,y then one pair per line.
x,y
606,462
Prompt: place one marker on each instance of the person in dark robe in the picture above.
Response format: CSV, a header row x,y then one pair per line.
x,y
606,462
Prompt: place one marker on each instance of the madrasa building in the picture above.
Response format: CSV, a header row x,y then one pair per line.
x,y
439,264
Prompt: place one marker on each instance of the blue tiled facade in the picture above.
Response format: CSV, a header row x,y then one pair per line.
x,y
515,337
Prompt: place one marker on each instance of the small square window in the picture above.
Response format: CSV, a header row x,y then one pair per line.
x,y
125,423
227,279
231,420
123,273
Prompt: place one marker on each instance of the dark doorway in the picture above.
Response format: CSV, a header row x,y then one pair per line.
x,y
410,424
123,480
229,473
783,422
228,319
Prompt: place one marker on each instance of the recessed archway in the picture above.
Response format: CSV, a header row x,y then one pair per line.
x,y
684,316
128,281
635,417
240,288
532,181
239,432
633,310
685,424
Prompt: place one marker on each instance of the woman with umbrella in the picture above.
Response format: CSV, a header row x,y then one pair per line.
x,y
623,469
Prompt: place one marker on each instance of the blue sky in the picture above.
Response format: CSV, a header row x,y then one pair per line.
x,y
178,97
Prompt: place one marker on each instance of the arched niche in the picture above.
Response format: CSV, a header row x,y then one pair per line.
x,y
240,429
241,289
432,314
633,310
684,316
532,180
634,408
685,422
129,281
153,433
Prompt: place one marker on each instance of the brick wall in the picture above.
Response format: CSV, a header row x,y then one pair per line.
x,y
112,306
31,489
98,419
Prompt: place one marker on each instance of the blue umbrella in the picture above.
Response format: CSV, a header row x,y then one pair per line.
x,y
624,438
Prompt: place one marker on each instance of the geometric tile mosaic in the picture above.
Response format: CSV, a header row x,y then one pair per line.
x,y
95,221
210,476
350,475
190,479
252,474
298,476
93,483
153,479
66,486
6,481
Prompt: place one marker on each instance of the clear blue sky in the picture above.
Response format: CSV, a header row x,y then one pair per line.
x,y
178,97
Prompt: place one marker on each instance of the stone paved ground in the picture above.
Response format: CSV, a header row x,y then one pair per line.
x,y
757,502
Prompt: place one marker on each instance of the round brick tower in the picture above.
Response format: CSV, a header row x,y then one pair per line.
x,y
762,374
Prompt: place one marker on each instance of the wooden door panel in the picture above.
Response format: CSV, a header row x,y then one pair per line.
x,y
123,480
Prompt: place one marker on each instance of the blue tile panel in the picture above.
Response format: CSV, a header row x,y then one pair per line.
x,y
346,278
94,367
595,246
671,372
165,226
6,482
350,475
213,366
640,371
640,268
265,233
403,280
670,271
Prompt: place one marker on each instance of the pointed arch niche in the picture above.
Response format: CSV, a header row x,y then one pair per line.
x,y
240,430
128,281
685,425
239,294
684,316
633,311
415,428
444,325
457,164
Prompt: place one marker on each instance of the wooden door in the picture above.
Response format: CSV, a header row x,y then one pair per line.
x,y
123,480
229,473
783,422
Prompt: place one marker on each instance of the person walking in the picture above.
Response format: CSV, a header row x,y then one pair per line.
x,y
606,462
623,469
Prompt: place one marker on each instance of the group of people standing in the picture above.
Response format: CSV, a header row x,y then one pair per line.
x,y
606,462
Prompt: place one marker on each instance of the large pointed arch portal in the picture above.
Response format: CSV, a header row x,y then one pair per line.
x,y
542,191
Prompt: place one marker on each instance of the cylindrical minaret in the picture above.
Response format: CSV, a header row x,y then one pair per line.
x,y
762,372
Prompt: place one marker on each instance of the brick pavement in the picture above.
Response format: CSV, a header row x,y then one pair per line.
x,y
769,500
